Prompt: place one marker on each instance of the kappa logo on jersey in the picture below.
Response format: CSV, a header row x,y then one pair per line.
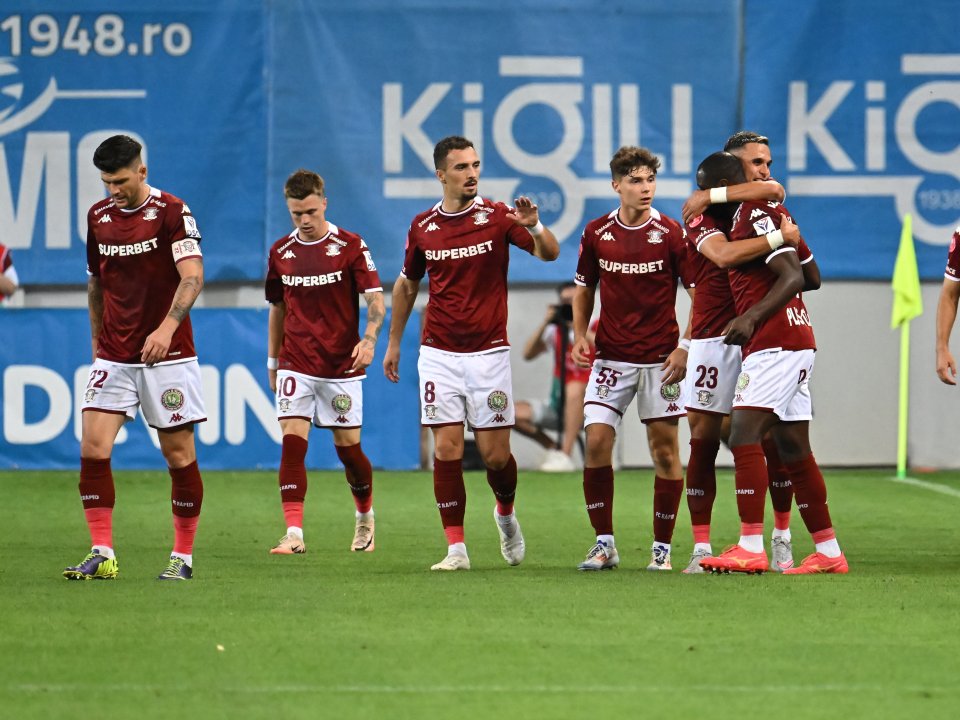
x,y
150,213
176,418
608,236
333,250
105,219
288,255
431,227
672,407
757,212
655,237
480,217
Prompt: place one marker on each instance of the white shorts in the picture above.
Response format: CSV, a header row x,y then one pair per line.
x,y
712,372
455,387
777,380
613,385
326,403
170,395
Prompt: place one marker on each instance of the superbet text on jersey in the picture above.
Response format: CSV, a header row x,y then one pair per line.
x,y
134,254
320,284
637,269
466,256
789,328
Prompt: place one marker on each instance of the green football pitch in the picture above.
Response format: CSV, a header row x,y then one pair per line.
x,y
332,634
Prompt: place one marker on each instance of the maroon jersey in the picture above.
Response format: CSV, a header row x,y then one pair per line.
x,y
320,283
134,254
789,327
466,255
637,269
953,257
713,305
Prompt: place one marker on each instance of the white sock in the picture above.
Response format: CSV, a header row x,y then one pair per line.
x,y
107,552
293,530
785,534
830,548
706,547
457,549
505,519
606,540
188,559
665,546
751,543
365,516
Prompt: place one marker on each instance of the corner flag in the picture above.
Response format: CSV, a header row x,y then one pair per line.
x,y
907,304
907,301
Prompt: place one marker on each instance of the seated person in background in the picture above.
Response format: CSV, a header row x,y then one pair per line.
x,y
563,410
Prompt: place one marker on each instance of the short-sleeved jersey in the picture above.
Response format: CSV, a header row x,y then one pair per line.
x,y
637,269
789,328
6,266
466,255
134,254
952,271
320,284
713,305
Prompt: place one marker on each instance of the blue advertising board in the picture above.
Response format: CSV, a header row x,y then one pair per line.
x,y
43,380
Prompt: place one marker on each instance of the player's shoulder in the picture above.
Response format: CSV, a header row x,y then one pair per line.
x,y
167,202
596,227
423,220
351,239
98,208
281,244
664,222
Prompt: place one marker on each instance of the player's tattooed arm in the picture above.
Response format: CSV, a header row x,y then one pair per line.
x,y
157,344
363,351
95,306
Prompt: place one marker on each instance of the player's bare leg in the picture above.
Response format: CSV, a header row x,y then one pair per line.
x,y
98,495
598,494
523,424
293,484
705,432
667,488
494,448
793,442
450,493
747,429
572,415
359,474
179,450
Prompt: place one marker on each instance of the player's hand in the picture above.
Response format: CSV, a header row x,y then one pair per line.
x,y
524,212
272,378
739,330
391,363
791,233
580,352
362,354
946,367
156,346
695,205
674,367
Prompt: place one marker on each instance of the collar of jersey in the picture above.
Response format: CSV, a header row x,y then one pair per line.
x,y
654,215
154,193
476,201
331,230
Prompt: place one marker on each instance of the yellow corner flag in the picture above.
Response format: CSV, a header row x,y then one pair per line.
x,y
907,301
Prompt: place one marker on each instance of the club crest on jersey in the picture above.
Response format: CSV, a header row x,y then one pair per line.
x,y
150,213
655,237
742,381
480,217
89,395
341,404
333,250
602,391
172,399
497,401
704,397
284,405
670,392
430,411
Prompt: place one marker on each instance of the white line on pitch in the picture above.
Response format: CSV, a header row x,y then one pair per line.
x,y
935,487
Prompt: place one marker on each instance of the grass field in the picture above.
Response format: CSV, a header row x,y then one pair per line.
x,y
332,634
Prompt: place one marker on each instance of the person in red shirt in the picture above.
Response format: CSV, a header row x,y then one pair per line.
x,y
463,244
146,271
563,410
773,395
9,282
636,255
947,312
315,356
